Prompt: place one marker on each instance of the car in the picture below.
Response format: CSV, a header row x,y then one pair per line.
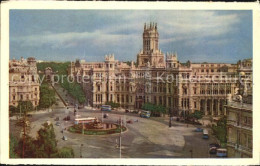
x,y
213,150
105,116
57,124
129,121
64,138
198,129
67,118
216,145
29,115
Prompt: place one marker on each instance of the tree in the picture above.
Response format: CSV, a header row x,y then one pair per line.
x,y
74,89
198,115
13,109
112,104
46,141
47,96
220,130
25,106
156,110
13,144
66,152
26,147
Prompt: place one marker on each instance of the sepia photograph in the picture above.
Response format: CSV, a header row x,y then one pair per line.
x,y
130,83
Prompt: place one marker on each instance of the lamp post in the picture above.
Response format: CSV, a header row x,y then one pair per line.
x,y
81,150
120,139
191,153
170,121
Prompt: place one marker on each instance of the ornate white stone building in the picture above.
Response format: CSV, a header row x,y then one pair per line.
x,y
23,81
177,86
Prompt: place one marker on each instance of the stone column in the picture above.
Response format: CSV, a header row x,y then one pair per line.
x,y
179,105
218,111
205,107
211,107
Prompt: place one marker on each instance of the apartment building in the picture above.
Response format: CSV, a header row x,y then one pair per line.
x,y
23,81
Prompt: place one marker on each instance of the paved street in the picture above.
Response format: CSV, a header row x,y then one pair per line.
x,y
147,138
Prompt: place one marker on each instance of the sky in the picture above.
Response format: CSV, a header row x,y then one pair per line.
x,y
66,35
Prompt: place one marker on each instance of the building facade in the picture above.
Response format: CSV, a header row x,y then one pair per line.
x,y
157,78
239,129
240,115
23,82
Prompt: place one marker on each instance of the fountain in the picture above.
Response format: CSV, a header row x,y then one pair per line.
x,y
92,126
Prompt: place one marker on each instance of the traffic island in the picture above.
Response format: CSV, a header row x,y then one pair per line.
x,y
101,129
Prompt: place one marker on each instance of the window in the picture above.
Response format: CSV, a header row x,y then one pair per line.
x,y
13,90
185,91
202,70
21,97
118,100
195,105
35,89
123,98
98,88
111,97
13,97
111,88
212,70
154,98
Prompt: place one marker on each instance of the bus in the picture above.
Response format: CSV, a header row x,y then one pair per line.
x,y
85,120
145,114
205,134
221,152
105,108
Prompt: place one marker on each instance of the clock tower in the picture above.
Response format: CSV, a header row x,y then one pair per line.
x,y
150,52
